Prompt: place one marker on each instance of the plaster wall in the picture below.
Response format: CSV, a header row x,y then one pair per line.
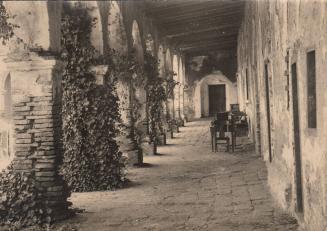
x,y
278,34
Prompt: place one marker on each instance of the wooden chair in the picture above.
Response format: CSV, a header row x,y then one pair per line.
x,y
218,130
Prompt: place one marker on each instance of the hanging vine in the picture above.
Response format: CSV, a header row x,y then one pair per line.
x,y
92,160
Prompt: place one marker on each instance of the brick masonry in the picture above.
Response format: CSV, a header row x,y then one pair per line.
x,y
37,129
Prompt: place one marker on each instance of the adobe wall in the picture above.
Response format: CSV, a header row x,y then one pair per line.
x,y
278,34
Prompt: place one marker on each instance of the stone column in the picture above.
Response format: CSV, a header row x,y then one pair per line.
x,y
36,98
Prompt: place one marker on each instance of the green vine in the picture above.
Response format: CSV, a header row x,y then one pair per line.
x,y
92,160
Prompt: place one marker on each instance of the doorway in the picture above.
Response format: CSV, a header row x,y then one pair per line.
x,y
217,99
268,110
297,140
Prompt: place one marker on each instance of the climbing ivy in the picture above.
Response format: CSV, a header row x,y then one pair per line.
x,y
6,27
156,96
170,84
22,204
131,72
92,160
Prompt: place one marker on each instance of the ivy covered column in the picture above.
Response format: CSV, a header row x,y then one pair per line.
x,y
37,147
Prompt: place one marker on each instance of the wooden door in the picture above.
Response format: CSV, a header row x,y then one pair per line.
x,y
297,141
268,110
217,99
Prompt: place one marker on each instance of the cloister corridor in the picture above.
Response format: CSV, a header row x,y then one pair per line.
x,y
187,187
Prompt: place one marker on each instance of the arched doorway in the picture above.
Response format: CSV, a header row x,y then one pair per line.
x,y
204,99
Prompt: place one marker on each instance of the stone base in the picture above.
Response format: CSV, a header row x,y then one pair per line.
x,y
147,148
162,139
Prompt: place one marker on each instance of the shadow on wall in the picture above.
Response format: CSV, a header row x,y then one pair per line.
x,y
201,93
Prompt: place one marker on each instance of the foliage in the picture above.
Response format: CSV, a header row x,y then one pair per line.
x,y
6,27
170,84
156,96
21,202
92,160
131,72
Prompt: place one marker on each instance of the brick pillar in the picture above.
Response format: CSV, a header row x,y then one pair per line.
x,y
36,99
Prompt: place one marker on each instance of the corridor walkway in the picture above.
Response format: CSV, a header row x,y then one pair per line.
x,y
187,188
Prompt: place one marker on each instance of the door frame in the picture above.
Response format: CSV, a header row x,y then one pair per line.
x,y
297,139
268,107
225,88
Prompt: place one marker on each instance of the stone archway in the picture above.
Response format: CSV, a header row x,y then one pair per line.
x,y
201,94
117,40
161,61
140,96
137,42
117,33
149,44
181,89
169,71
176,112
6,132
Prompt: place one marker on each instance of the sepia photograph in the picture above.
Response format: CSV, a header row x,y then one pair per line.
x,y
163,115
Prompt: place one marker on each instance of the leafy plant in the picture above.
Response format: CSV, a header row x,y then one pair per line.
x,y
6,27
92,160
21,202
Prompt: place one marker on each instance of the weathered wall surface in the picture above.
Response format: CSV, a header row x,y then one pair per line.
x,y
278,34
199,67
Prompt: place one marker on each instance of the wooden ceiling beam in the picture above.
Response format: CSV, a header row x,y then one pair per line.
x,y
227,39
229,44
227,16
208,51
209,13
185,7
205,36
171,5
181,31
205,28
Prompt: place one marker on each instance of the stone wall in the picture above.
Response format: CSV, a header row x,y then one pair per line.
x,y
275,35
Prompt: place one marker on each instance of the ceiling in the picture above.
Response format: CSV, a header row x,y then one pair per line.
x,y
197,27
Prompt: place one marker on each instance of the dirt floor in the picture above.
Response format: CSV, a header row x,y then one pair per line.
x,y
187,187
